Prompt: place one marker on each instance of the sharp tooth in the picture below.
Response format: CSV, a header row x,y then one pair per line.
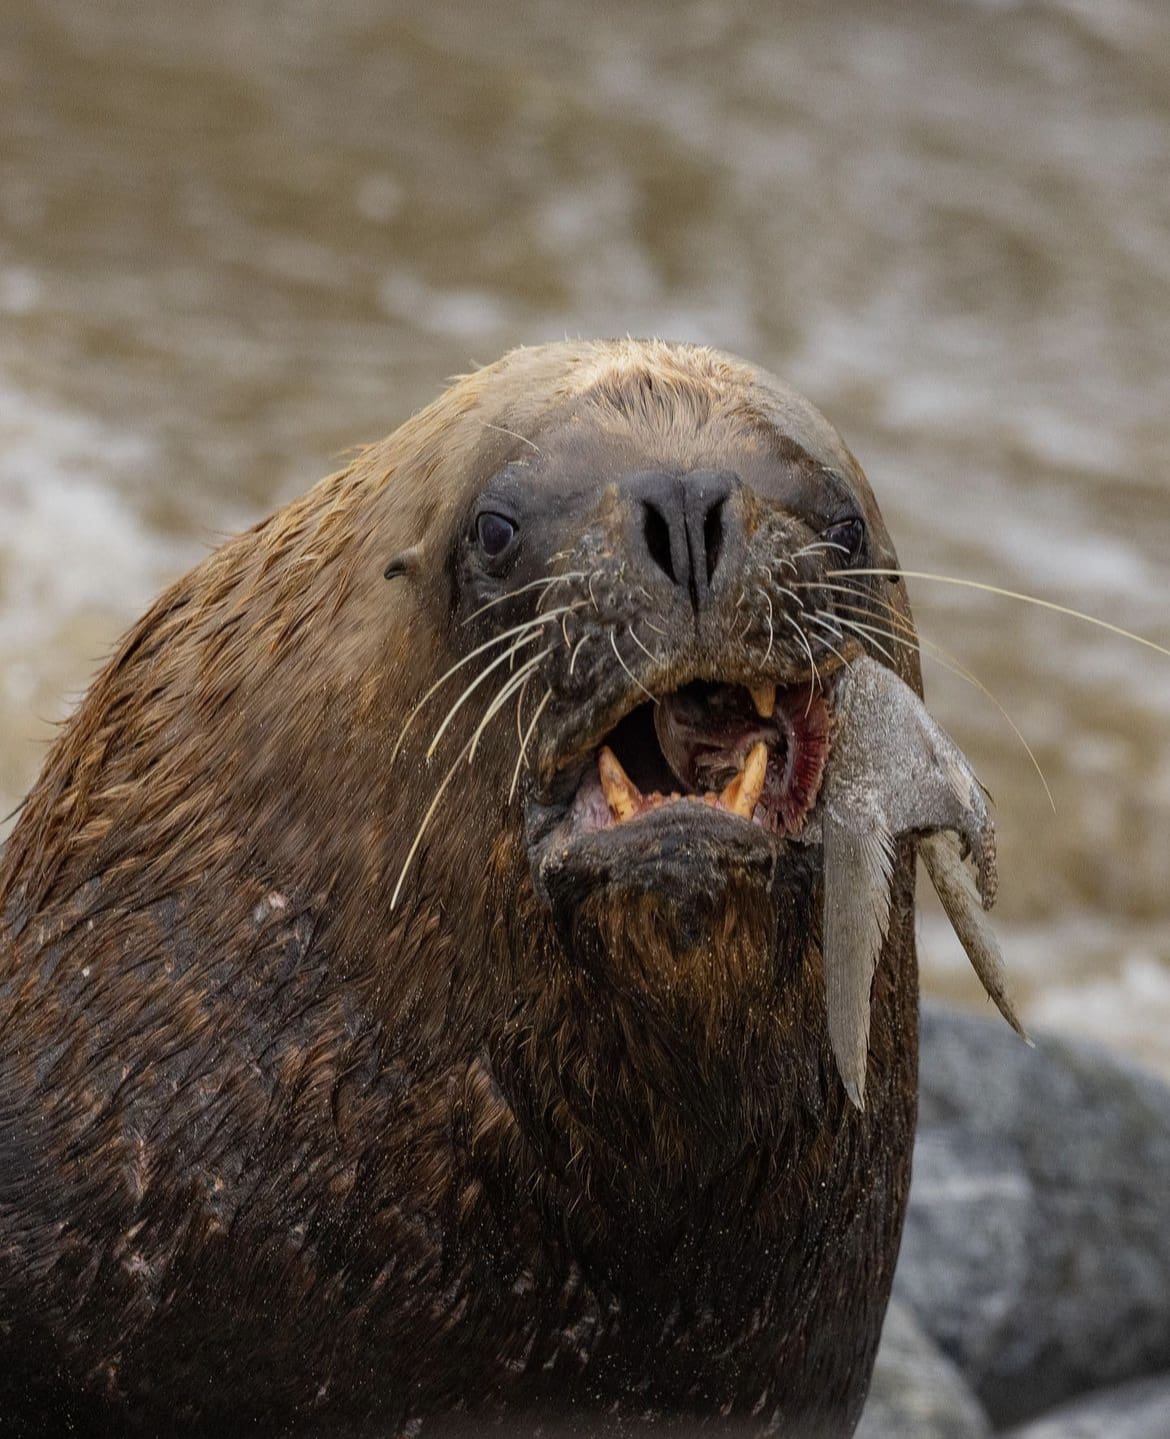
x,y
764,699
743,793
621,793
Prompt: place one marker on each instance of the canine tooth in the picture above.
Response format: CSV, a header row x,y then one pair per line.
x,y
743,793
764,699
621,793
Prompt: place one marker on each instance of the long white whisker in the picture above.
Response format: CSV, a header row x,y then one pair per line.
x,y
520,707
503,430
860,630
811,549
515,682
818,619
426,819
576,651
1015,595
653,658
771,629
628,670
858,594
546,581
522,757
470,689
499,639
815,677
948,662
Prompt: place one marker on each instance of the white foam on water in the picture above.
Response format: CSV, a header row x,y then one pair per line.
x,y
78,562
70,542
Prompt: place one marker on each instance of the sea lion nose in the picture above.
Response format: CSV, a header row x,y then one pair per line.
x,y
682,525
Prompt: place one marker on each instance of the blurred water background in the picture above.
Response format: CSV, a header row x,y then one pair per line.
x,y
237,238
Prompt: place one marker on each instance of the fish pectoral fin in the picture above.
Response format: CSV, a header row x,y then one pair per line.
x,y
965,910
859,865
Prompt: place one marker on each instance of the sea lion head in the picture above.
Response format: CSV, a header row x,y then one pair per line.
x,y
632,561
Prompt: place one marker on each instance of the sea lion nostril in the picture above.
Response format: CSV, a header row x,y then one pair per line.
x,y
713,537
657,533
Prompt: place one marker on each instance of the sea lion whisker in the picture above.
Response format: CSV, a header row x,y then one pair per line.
x,y
522,758
771,625
503,429
814,679
817,618
458,665
867,632
546,580
426,819
828,620
514,683
520,706
858,594
469,689
816,545
1014,595
892,618
943,657
576,651
654,659
569,575
628,670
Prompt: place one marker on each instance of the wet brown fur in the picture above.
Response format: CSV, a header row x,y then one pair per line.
x,y
272,1149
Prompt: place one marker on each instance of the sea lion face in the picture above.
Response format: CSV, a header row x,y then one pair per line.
x,y
653,561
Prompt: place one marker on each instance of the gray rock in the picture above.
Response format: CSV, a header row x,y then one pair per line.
x,y
916,1389
1135,1411
1037,1243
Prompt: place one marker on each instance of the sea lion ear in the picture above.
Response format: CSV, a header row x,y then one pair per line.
x,y
404,563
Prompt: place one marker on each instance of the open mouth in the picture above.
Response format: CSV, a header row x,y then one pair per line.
x,y
757,753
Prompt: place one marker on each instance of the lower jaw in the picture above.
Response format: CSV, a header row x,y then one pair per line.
x,y
687,853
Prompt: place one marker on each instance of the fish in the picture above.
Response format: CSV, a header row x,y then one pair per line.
x,y
892,772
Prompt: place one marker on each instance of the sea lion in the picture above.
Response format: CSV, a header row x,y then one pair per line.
x,y
356,1064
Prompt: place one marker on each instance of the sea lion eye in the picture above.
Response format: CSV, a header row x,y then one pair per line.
x,y
495,532
847,538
